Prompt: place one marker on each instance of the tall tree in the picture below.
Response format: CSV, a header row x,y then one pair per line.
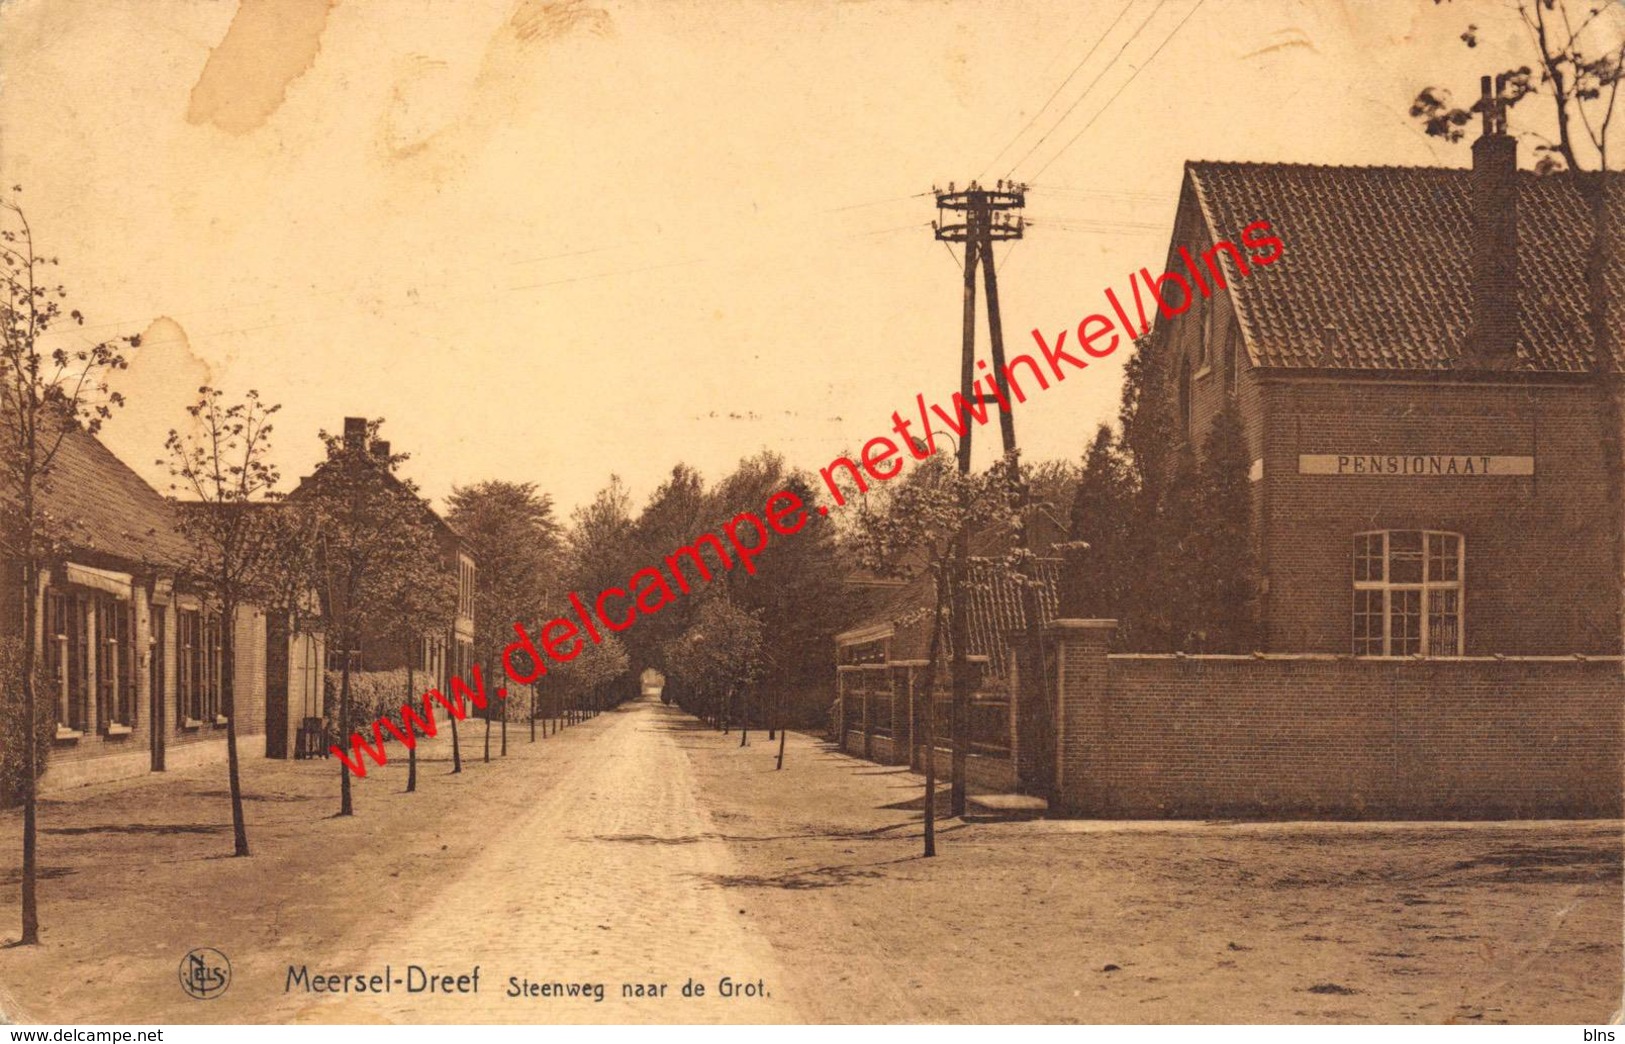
x,y
718,657
222,469
580,680
374,537
48,389
511,532
797,589
677,512
1093,575
1224,538
1170,598
600,551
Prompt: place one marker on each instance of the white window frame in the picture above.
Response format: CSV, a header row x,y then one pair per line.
x,y
1427,586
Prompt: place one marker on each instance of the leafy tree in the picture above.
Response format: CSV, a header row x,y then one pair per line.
x,y
797,590
583,679
677,512
599,545
511,532
374,538
1170,598
718,657
600,551
222,467
47,391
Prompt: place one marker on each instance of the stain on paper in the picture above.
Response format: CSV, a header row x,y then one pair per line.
x,y
269,45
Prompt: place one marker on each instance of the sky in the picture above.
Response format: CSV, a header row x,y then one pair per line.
x,y
548,242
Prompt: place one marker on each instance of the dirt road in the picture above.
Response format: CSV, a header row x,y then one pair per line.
x,y
603,882
641,849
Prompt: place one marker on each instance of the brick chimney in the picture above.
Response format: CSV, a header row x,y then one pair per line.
x,y
1493,343
380,448
355,433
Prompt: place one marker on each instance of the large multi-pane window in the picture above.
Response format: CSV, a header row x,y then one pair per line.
x,y
1407,593
67,657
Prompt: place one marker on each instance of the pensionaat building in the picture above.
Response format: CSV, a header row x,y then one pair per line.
x,y
1426,415
1434,519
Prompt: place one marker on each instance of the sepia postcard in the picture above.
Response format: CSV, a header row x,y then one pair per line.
x,y
883,512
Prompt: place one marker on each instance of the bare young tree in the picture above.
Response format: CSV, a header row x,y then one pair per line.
x,y
374,538
222,468
51,385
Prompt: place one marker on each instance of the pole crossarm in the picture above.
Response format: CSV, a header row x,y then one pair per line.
x,y
986,213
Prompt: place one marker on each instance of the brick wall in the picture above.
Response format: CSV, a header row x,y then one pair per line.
x,y
1322,736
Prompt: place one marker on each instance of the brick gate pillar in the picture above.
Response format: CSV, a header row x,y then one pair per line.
x,y
1079,650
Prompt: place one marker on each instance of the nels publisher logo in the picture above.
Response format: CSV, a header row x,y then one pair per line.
x,y
205,973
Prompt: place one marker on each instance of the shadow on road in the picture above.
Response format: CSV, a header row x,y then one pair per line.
x,y
810,877
139,828
44,873
882,833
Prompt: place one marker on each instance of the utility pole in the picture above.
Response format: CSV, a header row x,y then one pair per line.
x,y
987,218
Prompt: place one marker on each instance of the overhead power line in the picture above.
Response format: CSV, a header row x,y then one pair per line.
x,y
1079,99
1137,71
1055,93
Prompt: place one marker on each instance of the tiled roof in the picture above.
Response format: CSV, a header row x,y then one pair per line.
x,y
1377,270
106,510
994,605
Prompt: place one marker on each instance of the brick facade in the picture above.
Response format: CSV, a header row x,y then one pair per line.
x,y
1538,556
1303,348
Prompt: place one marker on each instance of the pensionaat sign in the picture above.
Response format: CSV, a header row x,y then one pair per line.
x,y
1413,464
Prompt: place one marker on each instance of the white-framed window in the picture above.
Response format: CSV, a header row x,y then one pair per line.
x,y
1408,593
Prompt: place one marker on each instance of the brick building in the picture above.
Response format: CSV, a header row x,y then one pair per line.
x,y
1433,510
1428,470
131,655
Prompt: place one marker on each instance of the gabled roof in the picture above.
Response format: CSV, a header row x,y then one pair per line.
x,y
450,536
107,511
1377,270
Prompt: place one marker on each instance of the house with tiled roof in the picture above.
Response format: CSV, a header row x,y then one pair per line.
x,y
440,654
1434,499
1435,485
1423,404
130,653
